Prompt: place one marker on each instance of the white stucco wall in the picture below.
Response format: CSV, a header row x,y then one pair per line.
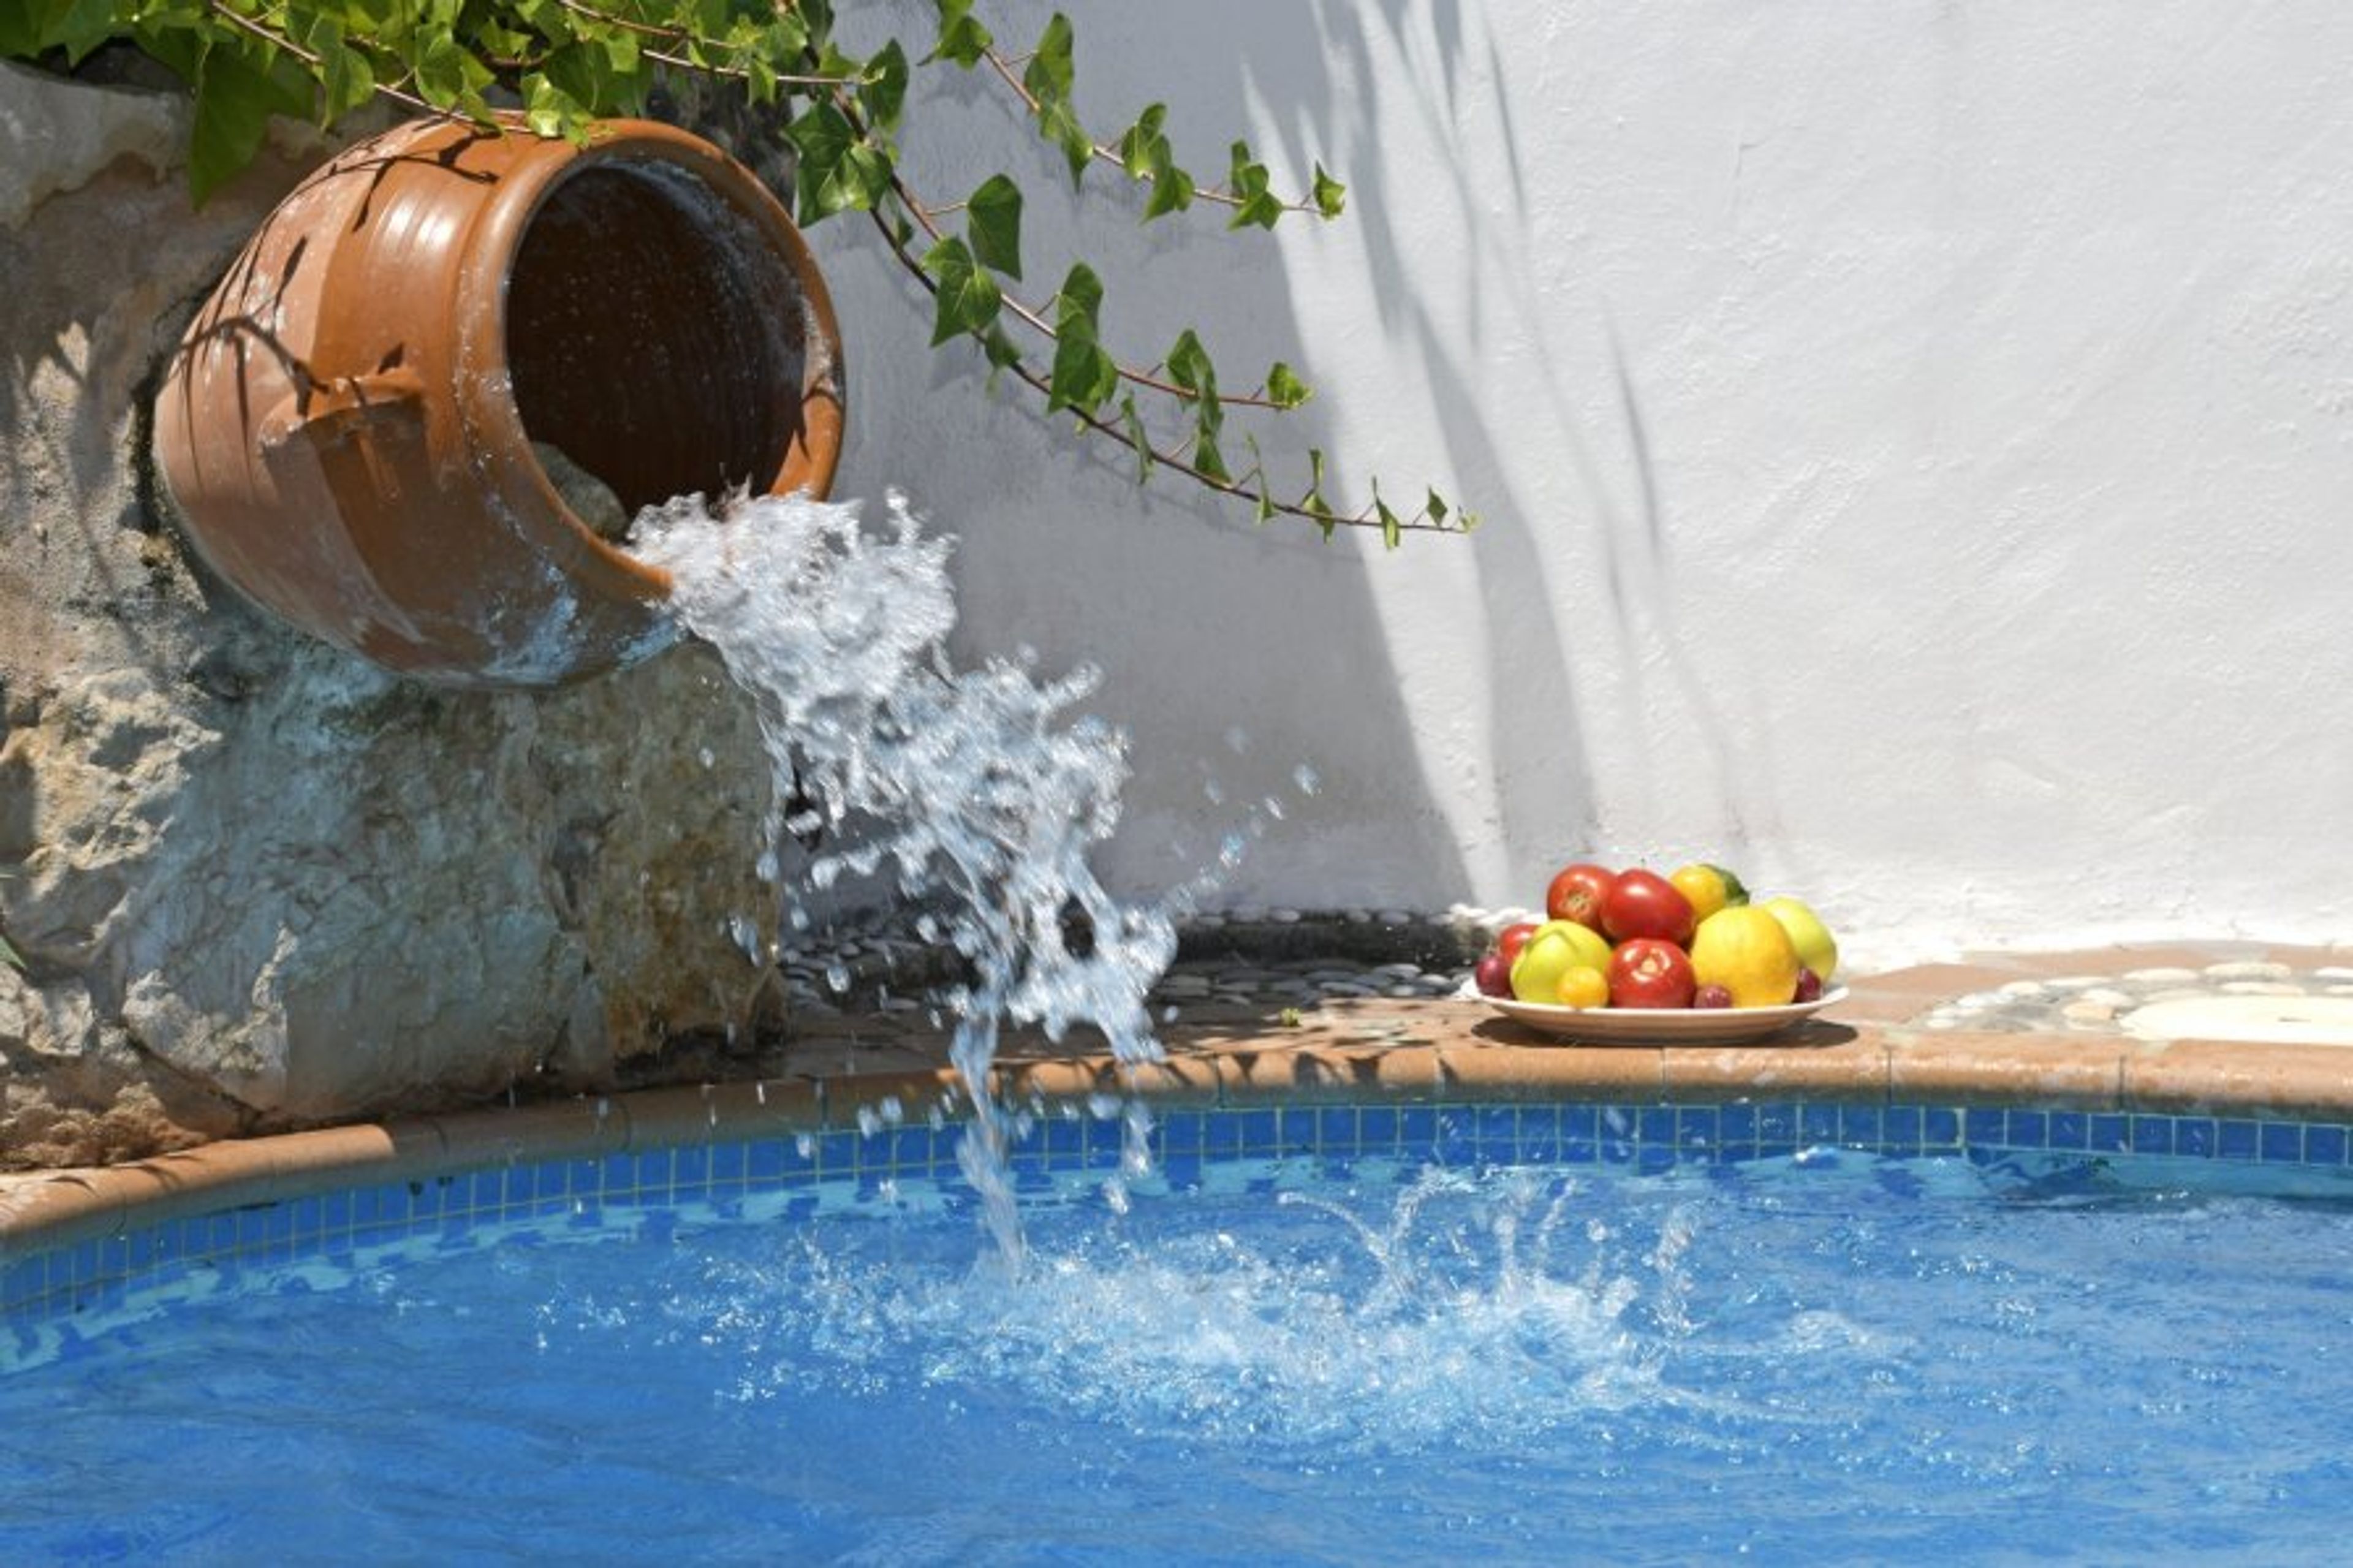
x,y
1916,442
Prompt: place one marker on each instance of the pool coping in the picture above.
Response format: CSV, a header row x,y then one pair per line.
x,y
1870,1049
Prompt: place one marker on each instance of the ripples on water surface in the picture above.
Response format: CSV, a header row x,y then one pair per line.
x,y
1845,1361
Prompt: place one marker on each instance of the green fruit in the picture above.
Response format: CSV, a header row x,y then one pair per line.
x,y
1817,948
1557,947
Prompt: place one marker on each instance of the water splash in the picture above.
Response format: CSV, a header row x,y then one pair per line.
x,y
977,792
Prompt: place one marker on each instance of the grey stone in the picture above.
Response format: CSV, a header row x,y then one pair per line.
x,y
258,883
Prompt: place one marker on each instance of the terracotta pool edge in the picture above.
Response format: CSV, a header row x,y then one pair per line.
x,y
1403,1053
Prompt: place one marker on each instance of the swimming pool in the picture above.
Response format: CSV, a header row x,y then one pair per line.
x,y
1325,1333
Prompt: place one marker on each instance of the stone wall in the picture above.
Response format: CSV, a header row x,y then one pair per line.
x,y
254,882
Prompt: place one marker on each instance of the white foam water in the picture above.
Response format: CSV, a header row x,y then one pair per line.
x,y
977,792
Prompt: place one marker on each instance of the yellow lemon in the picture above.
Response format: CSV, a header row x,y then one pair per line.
x,y
1746,951
1709,887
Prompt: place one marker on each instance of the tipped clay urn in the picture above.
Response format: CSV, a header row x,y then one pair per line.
x,y
452,364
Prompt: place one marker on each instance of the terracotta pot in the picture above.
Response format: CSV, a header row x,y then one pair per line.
x,y
367,427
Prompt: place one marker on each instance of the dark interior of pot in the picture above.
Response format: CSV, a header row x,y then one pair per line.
x,y
656,336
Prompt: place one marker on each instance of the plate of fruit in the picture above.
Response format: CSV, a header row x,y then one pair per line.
x,y
1629,957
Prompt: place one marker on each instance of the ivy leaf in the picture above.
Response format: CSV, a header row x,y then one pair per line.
x,y
1312,502
450,76
1142,148
962,39
76,26
839,170
1084,377
1048,80
884,92
1058,122
1051,70
1254,203
993,219
347,81
1436,507
1392,529
1331,196
231,119
1208,459
1172,191
1284,387
968,298
1190,368
1132,423
236,92
620,47
550,111
1001,350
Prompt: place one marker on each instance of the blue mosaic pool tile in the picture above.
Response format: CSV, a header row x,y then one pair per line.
x,y
837,1153
1064,1138
1654,1126
1496,1134
1180,1132
1983,1125
1539,1140
1776,1122
1736,1125
914,1148
1818,1123
766,1160
1649,1138
1900,1126
1860,1126
1940,1127
1335,1128
727,1165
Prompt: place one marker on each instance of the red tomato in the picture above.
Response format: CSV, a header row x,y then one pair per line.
x,y
1648,972
1512,938
1643,903
1578,894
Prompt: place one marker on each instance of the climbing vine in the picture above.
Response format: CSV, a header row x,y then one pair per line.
x,y
559,64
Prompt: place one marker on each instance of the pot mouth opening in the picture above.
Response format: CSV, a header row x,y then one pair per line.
x,y
657,340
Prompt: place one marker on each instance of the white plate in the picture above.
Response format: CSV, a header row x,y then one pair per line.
x,y
1661,1026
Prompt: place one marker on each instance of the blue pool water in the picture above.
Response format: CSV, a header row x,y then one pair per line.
x,y
1418,1339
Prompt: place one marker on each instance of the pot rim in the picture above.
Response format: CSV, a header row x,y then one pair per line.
x,y
484,392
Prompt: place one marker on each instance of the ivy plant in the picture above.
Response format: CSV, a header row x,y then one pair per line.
x,y
779,64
